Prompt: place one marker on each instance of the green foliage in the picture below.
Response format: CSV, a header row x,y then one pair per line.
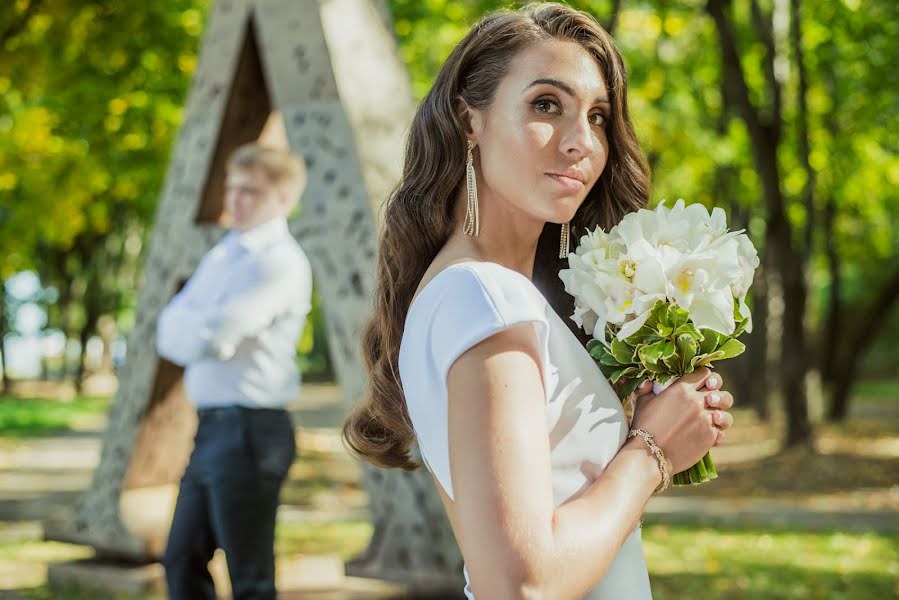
x,y
30,417
668,345
91,95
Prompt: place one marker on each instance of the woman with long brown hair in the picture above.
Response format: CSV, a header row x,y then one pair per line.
x,y
523,140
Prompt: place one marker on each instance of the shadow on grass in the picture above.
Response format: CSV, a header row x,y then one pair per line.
x,y
803,471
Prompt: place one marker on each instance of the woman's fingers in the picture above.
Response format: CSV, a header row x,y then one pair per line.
x,y
698,378
713,382
644,388
722,420
719,400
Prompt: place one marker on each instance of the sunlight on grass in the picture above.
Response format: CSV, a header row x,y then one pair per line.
x,y
343,538
878,389
28,417
23,564
687,562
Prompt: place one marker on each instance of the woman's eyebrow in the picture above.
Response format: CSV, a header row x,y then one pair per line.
x,y
564,87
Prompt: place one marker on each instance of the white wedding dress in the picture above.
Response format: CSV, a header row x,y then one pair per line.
x,y
470,301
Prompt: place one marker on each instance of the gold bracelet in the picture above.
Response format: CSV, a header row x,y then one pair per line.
x,y
664,465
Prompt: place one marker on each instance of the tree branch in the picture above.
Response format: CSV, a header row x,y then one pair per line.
x,y
870,324
19,24
612,22
763,26
802,128
735,87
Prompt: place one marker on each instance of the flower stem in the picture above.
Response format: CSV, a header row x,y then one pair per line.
x,y
701,472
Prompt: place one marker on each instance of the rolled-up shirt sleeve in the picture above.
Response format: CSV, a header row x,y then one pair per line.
x,y
279,285
179,332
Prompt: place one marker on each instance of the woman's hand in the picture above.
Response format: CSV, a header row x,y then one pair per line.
x,y
686,419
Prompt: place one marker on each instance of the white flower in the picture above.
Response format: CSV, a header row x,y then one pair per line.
x,y
681,254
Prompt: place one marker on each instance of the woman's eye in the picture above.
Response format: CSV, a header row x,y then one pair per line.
x,y
546,106
598,119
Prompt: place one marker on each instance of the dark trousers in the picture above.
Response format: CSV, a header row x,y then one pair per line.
x,y
228,499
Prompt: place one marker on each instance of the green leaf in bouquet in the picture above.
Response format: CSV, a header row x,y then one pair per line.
x,y
653,353
659,314
677,316
689,328
592,343
732,348
741,327
663,330
602,354
710,341
627,388
608,370
672,364
708,359
645,334
665,378
687,346
622,352
656,369
596,350
627,372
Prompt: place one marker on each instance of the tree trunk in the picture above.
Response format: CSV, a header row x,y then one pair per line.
x,y
4,329
846,370
784,258
758,386
795,360
833,322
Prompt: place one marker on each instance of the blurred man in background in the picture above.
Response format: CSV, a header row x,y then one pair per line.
x,y
235,328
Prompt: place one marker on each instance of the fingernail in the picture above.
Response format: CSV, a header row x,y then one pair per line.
x,y
713,381
716,417
721,436
714,399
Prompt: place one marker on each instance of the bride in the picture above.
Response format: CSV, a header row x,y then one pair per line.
x,y
470,350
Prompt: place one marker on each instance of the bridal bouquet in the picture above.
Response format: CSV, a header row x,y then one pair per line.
x,y
662,293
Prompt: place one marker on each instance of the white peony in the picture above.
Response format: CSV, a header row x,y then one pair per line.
x,y
682,254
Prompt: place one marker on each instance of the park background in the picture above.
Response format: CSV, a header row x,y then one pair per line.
x,y
782,112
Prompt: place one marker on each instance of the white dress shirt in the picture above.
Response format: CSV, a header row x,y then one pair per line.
x,y
236,323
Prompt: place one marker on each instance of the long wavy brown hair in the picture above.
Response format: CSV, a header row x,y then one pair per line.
x,y
418,216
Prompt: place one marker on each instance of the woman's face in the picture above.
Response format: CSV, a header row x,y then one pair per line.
x,y
542,142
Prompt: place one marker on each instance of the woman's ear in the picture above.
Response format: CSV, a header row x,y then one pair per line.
x,y
472,119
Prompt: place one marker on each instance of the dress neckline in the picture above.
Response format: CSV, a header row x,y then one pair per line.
x,y
464,263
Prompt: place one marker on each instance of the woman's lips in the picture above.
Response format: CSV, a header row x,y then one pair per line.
x,y
570,184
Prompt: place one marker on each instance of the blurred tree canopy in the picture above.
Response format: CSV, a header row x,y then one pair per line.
x,y
783,112
91,97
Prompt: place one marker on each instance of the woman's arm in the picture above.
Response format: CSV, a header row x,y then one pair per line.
x,y
516,543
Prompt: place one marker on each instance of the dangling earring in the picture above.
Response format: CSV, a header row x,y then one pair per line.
x,y
472,225
564,247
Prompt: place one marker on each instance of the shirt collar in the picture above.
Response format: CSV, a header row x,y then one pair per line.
x,y
260,236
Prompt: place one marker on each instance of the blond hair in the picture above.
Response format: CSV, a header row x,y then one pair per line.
x,y
282,167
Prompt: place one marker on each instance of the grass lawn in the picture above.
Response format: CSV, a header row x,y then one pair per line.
x,y
878,389
712,564
29,417
688,563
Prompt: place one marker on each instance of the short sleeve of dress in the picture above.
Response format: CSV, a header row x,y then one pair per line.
x,y
462,306
476,303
